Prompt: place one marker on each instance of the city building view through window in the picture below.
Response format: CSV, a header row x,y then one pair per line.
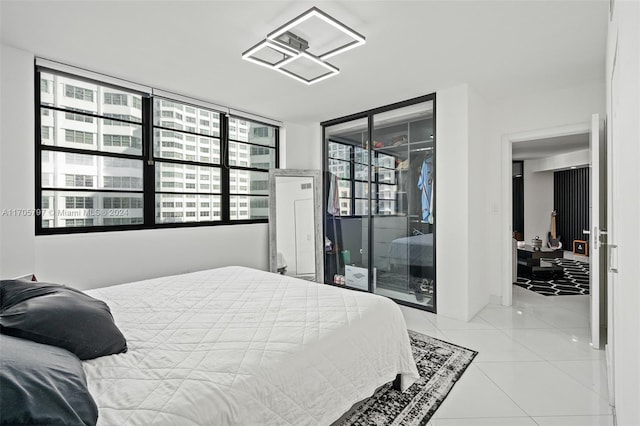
x,y
94,160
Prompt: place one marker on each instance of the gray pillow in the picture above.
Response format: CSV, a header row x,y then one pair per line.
x,y
60,316
42,384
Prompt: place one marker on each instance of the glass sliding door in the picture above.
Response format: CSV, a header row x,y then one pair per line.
x,y
402,208
380,202
347,191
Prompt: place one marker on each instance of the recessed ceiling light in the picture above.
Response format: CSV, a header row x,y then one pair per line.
x,y
284,50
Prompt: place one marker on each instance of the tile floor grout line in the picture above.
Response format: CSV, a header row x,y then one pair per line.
x,y
503,391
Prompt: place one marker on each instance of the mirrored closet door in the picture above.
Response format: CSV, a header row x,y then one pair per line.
x,y
379,191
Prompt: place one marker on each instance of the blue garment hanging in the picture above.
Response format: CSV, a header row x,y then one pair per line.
x,y
425,183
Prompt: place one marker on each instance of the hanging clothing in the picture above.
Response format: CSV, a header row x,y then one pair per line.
x,y
333,200
431,207
425,185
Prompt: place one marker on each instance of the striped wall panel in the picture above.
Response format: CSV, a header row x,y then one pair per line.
x,y
571,201
518,204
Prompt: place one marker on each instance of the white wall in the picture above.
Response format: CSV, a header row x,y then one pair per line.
x,y
96,259
452,202
483,210
624,141
303,147
17,255
538,202
580,158
548,109
100,259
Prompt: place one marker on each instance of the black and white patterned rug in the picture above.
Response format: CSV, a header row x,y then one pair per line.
x,y
575,280
440,365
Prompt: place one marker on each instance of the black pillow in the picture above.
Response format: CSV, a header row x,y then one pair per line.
x,y
42,384
60,316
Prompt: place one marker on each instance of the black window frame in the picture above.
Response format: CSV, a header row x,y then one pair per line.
x,y
148,159
250,145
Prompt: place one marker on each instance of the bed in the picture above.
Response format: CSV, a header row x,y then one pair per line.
x,y
415,251
244,347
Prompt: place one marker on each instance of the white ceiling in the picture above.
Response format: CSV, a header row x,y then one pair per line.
x,y
547,147
502,48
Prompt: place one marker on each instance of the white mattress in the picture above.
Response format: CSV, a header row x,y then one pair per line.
x,y
244,347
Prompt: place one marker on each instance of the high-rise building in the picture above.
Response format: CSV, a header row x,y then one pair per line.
x,y
184,192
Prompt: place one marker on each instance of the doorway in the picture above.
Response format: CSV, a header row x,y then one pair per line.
x,y
541,154
550,188
556,161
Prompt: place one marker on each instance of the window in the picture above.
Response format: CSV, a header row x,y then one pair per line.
x,y
104,162
185,169
125,117
120,162
78,181
115,99
45,86
78,159
122,182
84,170
261,132
79,117
250,189
121,140
122,202
72,202
341,164
261,203
77,136
78,222
123,221
71,91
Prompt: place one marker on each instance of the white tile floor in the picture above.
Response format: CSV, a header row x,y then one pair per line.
x,y
535,365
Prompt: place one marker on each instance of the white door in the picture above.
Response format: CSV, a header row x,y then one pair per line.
x,y
305,238
597,246
612,225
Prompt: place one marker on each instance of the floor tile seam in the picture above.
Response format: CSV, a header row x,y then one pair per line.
x,y
453,340
484,417
559,370
504,392
539,354
603,397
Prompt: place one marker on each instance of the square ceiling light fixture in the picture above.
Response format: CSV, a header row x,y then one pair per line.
x,y
300,47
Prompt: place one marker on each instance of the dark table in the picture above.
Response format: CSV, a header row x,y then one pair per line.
x,y
534,263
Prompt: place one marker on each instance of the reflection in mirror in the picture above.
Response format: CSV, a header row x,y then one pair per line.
x,y
294,223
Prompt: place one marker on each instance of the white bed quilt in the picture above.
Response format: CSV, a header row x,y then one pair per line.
x,y
237,346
